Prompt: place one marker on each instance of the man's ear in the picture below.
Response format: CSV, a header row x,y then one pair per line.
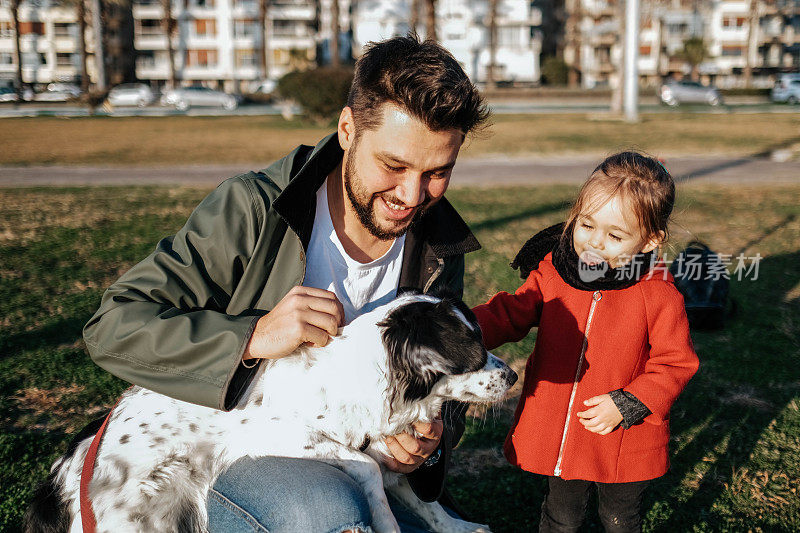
x,y
346,128
654,242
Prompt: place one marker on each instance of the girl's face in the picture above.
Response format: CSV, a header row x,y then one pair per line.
x,y
610,234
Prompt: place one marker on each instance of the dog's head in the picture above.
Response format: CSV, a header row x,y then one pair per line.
x,y
435,353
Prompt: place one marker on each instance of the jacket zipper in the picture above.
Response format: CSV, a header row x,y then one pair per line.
x,y
434,276
596,297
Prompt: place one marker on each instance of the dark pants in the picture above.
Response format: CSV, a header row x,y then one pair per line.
x,y
564,508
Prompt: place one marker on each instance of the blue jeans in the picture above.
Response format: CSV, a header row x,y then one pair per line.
x,y
282,495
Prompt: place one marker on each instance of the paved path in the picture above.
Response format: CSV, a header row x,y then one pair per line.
x,y
468,172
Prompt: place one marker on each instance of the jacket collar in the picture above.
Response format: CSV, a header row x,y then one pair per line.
x,y
441,228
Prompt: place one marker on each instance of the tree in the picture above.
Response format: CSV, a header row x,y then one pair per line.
x,y
263,14
80,7
430,20
573,40
694,52
491,68
334,49
17,49
413,20
169,25
752,43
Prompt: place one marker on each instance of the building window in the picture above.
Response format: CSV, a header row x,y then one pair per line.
x,y
201,58
64,59
205,28
208,4
245,58
280,56
730,21
6,28
644,50
6,58
149,27
284,28
732,51
246,28
62,29
146,59
26,28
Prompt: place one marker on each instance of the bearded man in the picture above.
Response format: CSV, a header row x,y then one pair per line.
x,y
285,256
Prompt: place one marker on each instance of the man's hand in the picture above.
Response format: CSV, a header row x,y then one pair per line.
x,y
304,315
409,452
603,417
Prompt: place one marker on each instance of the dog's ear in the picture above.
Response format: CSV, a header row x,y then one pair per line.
x,y
409,336
427,340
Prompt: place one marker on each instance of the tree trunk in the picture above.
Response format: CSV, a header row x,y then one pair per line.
x,y
572,38
413,20
17,50
334,48
752,43
82,44
263,9
168,23
491,82
99,56
430,20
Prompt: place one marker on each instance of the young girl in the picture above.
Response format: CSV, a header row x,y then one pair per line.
x,y
613,349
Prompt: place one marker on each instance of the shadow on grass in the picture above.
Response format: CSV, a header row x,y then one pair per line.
x,y
746,380
495,223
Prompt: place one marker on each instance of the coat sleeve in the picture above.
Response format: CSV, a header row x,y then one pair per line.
x,y
672,360
163,324
510,317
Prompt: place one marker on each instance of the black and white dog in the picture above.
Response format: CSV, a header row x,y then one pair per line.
x,y
386,370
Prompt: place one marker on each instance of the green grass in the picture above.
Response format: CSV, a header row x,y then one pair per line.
x,y
153,141
736,429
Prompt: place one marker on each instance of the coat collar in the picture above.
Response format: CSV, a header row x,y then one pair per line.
x,y
441,228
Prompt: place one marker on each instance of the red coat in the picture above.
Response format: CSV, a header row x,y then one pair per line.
x,y
638,340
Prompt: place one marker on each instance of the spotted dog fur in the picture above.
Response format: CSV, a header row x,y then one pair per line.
x,y
383,372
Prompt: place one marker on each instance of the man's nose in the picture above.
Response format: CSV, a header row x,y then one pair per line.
x,y
411,190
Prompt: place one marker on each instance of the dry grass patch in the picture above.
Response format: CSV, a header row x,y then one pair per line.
x,y
153,141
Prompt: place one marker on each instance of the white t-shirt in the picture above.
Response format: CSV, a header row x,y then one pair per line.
x,y
361,287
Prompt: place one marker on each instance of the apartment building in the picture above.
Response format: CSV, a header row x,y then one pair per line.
x,y
762,36
218,42
462,28
49,43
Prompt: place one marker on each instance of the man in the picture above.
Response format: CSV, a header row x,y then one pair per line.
x,y
274,259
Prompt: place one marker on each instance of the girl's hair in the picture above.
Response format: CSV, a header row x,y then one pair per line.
x,y
640,180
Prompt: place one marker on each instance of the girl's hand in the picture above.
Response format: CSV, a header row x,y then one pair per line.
x,y
603,417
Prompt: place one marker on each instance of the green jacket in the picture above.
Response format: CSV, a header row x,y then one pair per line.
x,y
178,322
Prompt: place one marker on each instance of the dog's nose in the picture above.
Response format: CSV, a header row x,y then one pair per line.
x,y
511,376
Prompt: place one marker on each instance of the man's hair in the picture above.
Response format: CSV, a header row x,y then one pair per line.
x,y
422,78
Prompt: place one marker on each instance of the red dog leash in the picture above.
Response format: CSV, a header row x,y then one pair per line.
x,y
87,514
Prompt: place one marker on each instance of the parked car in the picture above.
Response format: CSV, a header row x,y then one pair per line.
x,y
58,92
675,92
137,94
786,90
8,94
187,97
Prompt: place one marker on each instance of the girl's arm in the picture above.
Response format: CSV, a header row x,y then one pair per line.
x,y
509,317
672,360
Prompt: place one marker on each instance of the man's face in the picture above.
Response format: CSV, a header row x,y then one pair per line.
x,y
394,173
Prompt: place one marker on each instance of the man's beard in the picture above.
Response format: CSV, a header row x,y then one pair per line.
x,y
365,209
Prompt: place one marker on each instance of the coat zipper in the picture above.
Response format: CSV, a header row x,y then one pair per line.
x,y
596,297
434,276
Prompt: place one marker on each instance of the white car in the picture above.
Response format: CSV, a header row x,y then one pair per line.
x,y
58,92
786,90
7,94
129,94
198,96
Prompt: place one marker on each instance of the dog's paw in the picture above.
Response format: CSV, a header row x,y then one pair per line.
x,y
469,527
